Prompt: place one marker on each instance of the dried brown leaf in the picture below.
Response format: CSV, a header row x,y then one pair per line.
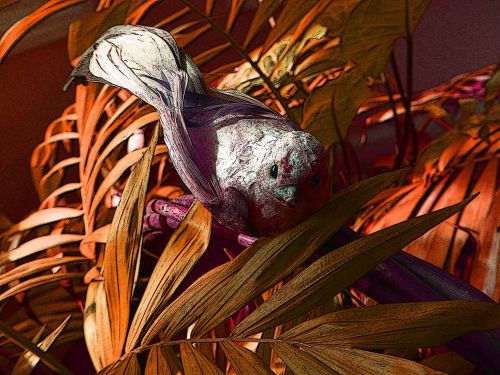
x,y
6,3
290,16
196,363
35,282
22,358
330,109
38,244
96,160
50,200
305,23
450,363
187,308
48,182
129,365
21,27
28,360
243,361
91,101
136,14
406,325
325,58
352,361
157,362
234,11
185,247
93,274
191,304
38,265
300,362
210,53
434,246
265,10
100,235
97,327
337,270
273,259
174,17
26,344
183,40
121,257
114,174
46,216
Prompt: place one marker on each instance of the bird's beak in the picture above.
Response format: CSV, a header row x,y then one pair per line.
x,y
287,193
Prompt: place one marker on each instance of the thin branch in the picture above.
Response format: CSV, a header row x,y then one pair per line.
x,y
404,137
343,147
409,124
354,298
397,123
301,88
399,82
353,157
244,54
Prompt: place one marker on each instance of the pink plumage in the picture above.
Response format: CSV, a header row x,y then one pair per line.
x,y
256,171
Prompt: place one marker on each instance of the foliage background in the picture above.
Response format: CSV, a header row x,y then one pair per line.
x,y
282,257
454,36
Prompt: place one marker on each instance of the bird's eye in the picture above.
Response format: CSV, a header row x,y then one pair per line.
x,y
315,180
274,171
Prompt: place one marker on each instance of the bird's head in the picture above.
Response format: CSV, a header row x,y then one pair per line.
x,y
298,179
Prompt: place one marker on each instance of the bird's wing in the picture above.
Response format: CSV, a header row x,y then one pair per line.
x,y
225,108
147,62
239,99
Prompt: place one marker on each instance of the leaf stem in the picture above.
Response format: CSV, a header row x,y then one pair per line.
x,y
409,129
397,123
404,136
345,154
409,124
244,54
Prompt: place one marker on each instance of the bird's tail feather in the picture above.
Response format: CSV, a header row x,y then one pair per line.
x,y
139,59
148,63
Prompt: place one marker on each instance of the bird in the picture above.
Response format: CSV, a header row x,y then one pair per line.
x,y
256,171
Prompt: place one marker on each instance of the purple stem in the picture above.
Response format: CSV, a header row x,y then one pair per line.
x,y
165,215
402,278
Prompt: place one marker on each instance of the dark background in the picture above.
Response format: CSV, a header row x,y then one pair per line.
x,y
454,36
